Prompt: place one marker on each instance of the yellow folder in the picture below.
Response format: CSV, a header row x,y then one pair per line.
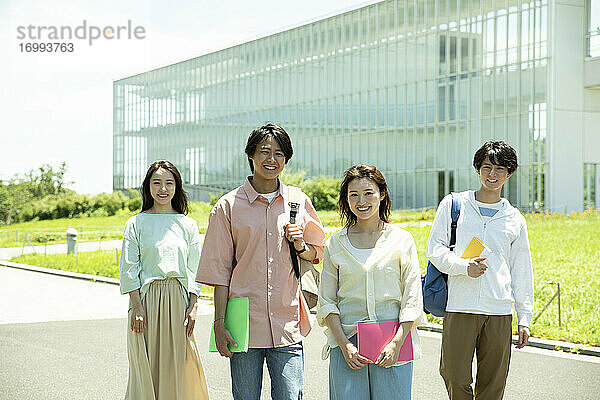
x,y
474,249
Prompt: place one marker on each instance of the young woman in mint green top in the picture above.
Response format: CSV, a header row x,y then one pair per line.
x,y
168,248
159,259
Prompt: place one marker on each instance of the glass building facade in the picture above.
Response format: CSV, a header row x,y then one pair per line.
x,y
411,86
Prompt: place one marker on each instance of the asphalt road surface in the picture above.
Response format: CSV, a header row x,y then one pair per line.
x,y
63,338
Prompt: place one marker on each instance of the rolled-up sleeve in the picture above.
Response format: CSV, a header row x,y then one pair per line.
x,y
411,303
130,265
217,256
193,259
313,231
328,289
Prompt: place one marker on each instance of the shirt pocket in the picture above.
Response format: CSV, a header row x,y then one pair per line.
x,y
388,279
391,270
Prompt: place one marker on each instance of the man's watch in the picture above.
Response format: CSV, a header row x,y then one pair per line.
x,y
303,249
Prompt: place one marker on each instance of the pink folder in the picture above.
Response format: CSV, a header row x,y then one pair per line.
x,y
374,336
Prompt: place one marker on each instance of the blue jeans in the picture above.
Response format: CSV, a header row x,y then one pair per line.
x,y
370,382
285,366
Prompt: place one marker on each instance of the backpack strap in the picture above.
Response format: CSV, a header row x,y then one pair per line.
x,y
454,213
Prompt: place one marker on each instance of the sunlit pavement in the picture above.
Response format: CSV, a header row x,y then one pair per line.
x,y
64,338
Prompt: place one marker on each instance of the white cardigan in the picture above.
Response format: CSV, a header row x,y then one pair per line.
x,y
509,276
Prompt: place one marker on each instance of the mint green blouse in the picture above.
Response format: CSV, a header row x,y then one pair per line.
x,y
159,246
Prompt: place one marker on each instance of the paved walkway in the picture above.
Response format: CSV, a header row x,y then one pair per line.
x,y
65,338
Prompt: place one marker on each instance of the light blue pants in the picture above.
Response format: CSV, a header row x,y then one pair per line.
x,y
285,366
370,382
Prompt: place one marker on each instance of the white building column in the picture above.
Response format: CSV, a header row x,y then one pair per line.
x,y
566,41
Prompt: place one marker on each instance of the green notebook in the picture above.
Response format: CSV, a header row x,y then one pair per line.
x,y
237,322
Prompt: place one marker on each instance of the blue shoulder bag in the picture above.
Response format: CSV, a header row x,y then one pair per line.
x,y
435,283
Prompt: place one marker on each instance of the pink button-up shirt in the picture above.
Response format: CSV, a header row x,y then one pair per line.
x,y
245,249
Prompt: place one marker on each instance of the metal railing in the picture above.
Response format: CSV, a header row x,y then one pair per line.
x,y
555,296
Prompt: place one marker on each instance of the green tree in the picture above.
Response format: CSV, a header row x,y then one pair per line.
x,y
45,180
17,194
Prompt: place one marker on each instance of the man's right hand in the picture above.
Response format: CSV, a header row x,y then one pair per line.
x,y
223,338
476,267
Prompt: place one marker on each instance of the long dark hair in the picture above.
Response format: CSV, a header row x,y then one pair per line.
x,y
363,171
179,201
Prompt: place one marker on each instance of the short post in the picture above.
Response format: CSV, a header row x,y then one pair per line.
x,y
72,241
117,256
558,297
31,244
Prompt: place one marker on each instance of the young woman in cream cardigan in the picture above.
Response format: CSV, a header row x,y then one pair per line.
x,y
370,272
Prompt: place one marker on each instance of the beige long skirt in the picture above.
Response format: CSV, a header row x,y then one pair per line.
x,y
164,363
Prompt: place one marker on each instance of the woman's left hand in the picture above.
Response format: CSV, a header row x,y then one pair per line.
x,y
190,315
389,354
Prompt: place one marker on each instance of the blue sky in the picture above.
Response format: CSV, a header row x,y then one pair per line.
x,y
58,106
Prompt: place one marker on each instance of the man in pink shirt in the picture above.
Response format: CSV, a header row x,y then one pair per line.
x,y
246,254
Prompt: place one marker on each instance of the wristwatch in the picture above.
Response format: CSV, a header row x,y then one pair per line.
x,y
303,249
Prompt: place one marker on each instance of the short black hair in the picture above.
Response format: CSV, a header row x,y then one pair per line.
x,y
499,153
259,134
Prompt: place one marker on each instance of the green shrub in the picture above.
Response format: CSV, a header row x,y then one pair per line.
x,y
18,193
199,207
45,208
214,197
99,212
71,205
110,203
134,204
292,179
322,190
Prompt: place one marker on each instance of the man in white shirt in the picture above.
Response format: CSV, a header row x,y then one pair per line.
x,y
482,289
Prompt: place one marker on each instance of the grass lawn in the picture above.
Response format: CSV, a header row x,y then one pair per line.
x,y
88,228
110,228
565,249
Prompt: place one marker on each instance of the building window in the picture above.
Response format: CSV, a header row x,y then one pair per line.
x,y
445,183
590,185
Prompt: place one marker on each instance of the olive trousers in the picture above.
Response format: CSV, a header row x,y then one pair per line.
x,y
486,336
